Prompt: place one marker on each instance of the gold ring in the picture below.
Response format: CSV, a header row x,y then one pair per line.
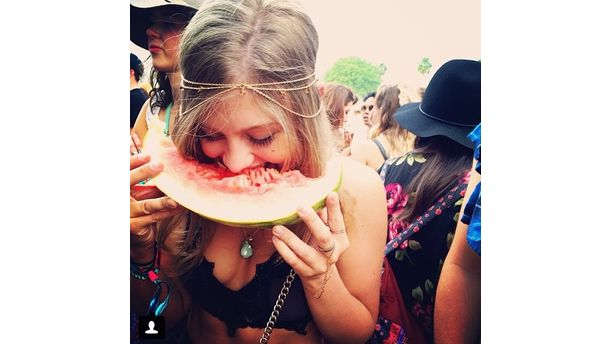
x,y
327,250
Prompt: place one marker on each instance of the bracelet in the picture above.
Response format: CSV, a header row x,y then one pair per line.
x,y
325,279
137,272
148,270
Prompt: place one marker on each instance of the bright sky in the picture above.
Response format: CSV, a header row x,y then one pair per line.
x,y
398,33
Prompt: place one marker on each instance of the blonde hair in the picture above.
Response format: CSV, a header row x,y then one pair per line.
x,y
387,100
254,42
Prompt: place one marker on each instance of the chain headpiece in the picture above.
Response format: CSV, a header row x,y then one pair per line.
x,y
257,88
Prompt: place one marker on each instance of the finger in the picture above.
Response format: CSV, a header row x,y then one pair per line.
x,y
322,215
139,160
300,251
151,206
146,191
138,223
334,213
319,230
291,258
141,173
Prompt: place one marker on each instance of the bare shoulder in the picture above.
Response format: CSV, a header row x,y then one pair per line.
x,y
362,185
365,149
140,127
358,175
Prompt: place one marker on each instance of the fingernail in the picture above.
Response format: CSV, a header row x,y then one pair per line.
x,y
171,203
277,230
143,156
302,211
156,166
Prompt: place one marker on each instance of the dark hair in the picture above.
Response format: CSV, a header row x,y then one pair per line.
x,y
368,95
161,92
136,66
335,97
447,162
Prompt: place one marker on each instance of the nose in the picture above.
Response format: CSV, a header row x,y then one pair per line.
x,y
152,32
237,157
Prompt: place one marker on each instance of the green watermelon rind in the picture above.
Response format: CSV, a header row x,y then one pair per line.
x,y
151,142
287,220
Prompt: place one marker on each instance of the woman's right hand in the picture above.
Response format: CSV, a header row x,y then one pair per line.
x,y
148,205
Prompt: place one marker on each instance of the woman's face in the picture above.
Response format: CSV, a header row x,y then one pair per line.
x,y
366,111
241,135
348,107
164,35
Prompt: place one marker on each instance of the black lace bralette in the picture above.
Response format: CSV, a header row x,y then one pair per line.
x,y
252,305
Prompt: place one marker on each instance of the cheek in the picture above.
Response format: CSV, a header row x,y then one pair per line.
x,y
276,153
171,41
212,149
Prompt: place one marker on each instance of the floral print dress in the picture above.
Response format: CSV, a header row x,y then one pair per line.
x,y
418,261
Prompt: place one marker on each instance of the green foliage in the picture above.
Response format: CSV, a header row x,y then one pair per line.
x,y
424,66
358,74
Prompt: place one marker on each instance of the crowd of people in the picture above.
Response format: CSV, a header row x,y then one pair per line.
x,y
242,76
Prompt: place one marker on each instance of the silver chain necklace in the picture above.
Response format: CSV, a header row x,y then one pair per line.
x,y
265,336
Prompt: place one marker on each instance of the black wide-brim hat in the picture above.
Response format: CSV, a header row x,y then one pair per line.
x,y
450,106
140,14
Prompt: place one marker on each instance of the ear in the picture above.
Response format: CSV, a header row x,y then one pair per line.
x,y
131,73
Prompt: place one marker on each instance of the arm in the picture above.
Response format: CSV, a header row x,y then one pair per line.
x,y
140,126
457,310
147,207
353,286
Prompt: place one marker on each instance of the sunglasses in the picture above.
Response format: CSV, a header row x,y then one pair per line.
x,y
369,108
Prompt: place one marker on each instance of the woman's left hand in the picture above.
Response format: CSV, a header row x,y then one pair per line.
x,y
313,258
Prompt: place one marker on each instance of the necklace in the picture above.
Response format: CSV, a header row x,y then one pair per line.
x,y
246,249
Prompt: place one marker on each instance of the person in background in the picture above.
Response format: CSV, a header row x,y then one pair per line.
x,y
426,176
249,102
354,125
339,100
389,139
138,96
367,107
156,26
457,314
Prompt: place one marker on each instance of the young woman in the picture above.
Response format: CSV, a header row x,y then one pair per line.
x,y
249,100
389,140
418,185
157,27
339,100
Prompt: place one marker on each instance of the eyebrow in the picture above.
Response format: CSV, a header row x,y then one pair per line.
x,y
269,126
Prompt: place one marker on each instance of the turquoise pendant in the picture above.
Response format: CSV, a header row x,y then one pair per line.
x,y
246,250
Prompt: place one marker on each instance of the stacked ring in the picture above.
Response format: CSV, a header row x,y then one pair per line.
x,y
329,250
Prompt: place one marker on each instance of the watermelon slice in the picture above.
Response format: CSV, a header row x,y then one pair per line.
x,y
259,198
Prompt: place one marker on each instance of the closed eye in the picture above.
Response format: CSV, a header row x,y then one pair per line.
x,y
262,142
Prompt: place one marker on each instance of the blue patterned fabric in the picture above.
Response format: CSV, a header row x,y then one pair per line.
x,y
471,215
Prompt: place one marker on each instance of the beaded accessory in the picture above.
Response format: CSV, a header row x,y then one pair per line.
x,y
150,271
257,88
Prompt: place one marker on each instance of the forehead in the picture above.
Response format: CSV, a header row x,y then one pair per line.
x,y
369,100
238,112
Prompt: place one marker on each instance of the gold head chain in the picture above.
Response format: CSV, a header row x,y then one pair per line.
x,y
257,88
